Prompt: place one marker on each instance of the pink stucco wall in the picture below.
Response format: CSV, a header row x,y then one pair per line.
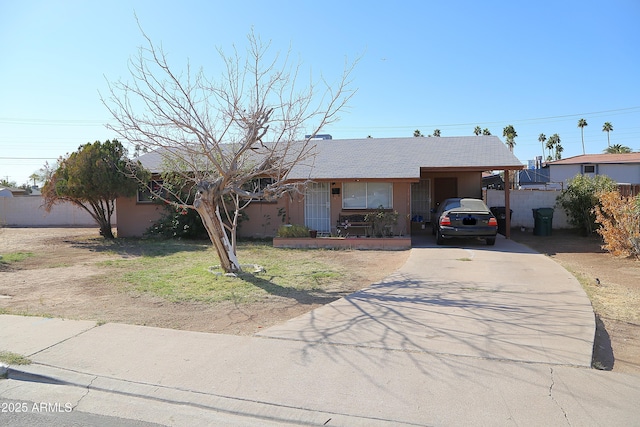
x,y
264,219
135,218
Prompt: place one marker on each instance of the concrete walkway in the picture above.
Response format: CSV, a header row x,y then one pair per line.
x,y
460,335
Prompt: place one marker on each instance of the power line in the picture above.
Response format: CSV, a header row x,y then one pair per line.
x,y
548,118
28,158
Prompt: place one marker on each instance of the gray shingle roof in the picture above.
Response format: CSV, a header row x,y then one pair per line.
x,y
403,157
393,158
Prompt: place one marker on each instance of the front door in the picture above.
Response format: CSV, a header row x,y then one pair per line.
x,y
317,215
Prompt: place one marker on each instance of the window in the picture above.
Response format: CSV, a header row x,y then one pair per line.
x,y
258,185
367,195
149,193
589,169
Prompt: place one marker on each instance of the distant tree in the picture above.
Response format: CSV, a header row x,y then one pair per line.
x,y
477,130
559,151
92,178
369,136
542,138
436,132
510,134
618,149
34,177
486,131
552,142
607,127
581,124
6,183
46,171
417,133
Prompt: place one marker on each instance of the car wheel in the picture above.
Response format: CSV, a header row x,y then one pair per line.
x,y
439,238
491,241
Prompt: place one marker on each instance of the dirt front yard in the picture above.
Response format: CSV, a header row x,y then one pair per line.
x,y
65,277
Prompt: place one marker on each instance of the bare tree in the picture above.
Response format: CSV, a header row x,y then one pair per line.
x,y
232,140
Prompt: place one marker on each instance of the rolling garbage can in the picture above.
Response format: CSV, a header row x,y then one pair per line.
x,y
500,212
543,221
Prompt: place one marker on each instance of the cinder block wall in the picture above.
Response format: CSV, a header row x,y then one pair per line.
x,y
28,211
524,201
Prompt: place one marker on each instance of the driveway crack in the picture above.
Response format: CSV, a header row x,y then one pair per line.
x,y
553,399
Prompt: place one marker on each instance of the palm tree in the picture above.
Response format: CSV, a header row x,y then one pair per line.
x,y
477,130
542,138
486,131
581,124
559,150
510,134
618,149
436,132
417,133
607,127
552,142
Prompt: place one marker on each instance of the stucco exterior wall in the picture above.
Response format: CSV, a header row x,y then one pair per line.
x,y
28,211
136,218
469,183
629,174
262,219
621,173
524,201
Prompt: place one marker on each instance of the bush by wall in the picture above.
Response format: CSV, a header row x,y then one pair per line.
x,y
619,219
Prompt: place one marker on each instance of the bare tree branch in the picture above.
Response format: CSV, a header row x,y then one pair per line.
x,y
223,135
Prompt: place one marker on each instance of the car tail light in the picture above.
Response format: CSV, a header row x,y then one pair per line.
x,y
445,220
493,222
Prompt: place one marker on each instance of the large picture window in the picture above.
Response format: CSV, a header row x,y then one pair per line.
x,y
367,195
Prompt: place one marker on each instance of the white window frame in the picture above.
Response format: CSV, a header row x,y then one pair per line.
x,y
365,193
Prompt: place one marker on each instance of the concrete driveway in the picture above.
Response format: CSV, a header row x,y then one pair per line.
x,y
501,302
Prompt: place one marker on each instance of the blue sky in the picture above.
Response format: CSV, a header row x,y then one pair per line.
x,y
539,66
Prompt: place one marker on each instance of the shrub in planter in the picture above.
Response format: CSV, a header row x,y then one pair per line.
x,y
382,221
293,231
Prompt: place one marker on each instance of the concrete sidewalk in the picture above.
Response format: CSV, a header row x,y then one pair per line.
x,y
470,335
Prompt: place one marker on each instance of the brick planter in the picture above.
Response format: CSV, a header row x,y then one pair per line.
x,y
388,243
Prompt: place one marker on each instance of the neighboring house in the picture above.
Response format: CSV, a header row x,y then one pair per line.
x,y
12,192
492,181
534,179
622,168
352,177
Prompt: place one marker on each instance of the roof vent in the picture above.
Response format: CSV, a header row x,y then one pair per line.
x,y
319,136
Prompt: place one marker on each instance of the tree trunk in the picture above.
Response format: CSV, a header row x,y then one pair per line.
x,y
212,221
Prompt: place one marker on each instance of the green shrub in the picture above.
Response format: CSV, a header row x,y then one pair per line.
x,y
293,231
581,197
382,221
178,223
